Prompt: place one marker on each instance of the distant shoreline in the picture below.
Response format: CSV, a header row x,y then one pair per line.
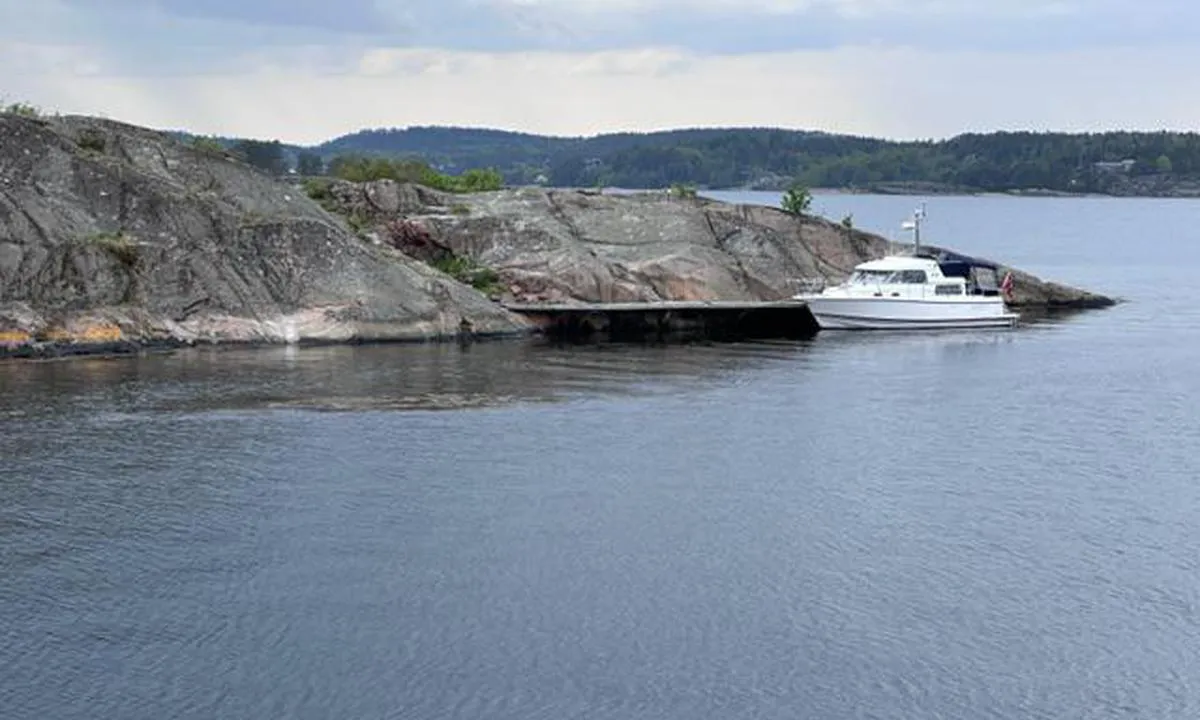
x,y
1017,164
935,192
917,192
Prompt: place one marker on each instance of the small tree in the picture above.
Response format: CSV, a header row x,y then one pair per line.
x,y
848,226
309,163
264,155
797,200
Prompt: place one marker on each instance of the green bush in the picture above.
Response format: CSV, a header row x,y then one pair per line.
x,y
358,168
208,145
23,109
319,189
474,181
464,270
486,281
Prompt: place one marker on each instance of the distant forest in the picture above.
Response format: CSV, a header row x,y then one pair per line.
x,y
1159,163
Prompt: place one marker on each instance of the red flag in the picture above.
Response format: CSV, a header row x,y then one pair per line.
x,y
1006,285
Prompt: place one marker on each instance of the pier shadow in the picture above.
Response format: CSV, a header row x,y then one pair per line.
x,y
676,322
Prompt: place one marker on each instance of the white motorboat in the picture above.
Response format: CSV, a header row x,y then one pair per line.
x,y
921,291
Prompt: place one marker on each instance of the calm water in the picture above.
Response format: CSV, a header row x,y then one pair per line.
x,y
991,525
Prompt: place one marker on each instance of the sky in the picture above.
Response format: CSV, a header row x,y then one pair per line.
x,y
308,70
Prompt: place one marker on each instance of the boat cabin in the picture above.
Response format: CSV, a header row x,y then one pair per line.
x,y
948,277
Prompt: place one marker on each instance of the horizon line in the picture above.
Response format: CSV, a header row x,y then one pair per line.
x,y
697,128
933,139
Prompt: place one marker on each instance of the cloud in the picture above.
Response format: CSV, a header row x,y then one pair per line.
x,y
186,35
872,91
745,26
304,71
356,16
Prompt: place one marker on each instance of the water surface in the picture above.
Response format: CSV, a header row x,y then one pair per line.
x,y
992,524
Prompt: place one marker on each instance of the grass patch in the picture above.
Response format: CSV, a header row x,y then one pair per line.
x,y
682,191
466,271
92,139
358,222
121,246
460,210
319,190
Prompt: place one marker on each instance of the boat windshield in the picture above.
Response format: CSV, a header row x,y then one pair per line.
x,y
887,277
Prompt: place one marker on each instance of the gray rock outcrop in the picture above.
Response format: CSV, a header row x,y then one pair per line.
x,y
580,245
111,232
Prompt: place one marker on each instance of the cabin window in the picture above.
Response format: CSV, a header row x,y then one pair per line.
x,y
869,277
952,289
909,277
888,277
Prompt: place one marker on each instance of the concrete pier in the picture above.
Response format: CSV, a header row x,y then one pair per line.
x,y
717,320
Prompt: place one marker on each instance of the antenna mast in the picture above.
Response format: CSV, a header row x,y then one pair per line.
x,y
915,226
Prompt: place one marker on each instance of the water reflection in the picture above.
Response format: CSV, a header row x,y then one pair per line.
x,y
429,376
372,377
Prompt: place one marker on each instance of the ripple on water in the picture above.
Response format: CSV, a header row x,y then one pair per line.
x,y
967,525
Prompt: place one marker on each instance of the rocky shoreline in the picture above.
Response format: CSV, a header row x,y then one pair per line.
x,y
567,245
117,239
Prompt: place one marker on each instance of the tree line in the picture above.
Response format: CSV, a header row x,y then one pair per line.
x,y
756,157
993,162
270,156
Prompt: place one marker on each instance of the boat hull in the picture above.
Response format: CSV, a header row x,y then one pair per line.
x,y
901,314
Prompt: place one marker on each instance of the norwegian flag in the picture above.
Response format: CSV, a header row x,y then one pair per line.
x,y
1006,285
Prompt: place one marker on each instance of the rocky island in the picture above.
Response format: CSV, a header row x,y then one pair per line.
x,y
119,237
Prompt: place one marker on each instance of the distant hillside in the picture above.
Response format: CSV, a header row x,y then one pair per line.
x,y
1161,163
452,149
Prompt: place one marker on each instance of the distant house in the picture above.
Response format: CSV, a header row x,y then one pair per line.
x,y
1121,166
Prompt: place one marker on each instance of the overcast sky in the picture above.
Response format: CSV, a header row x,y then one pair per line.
x,y
308,70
